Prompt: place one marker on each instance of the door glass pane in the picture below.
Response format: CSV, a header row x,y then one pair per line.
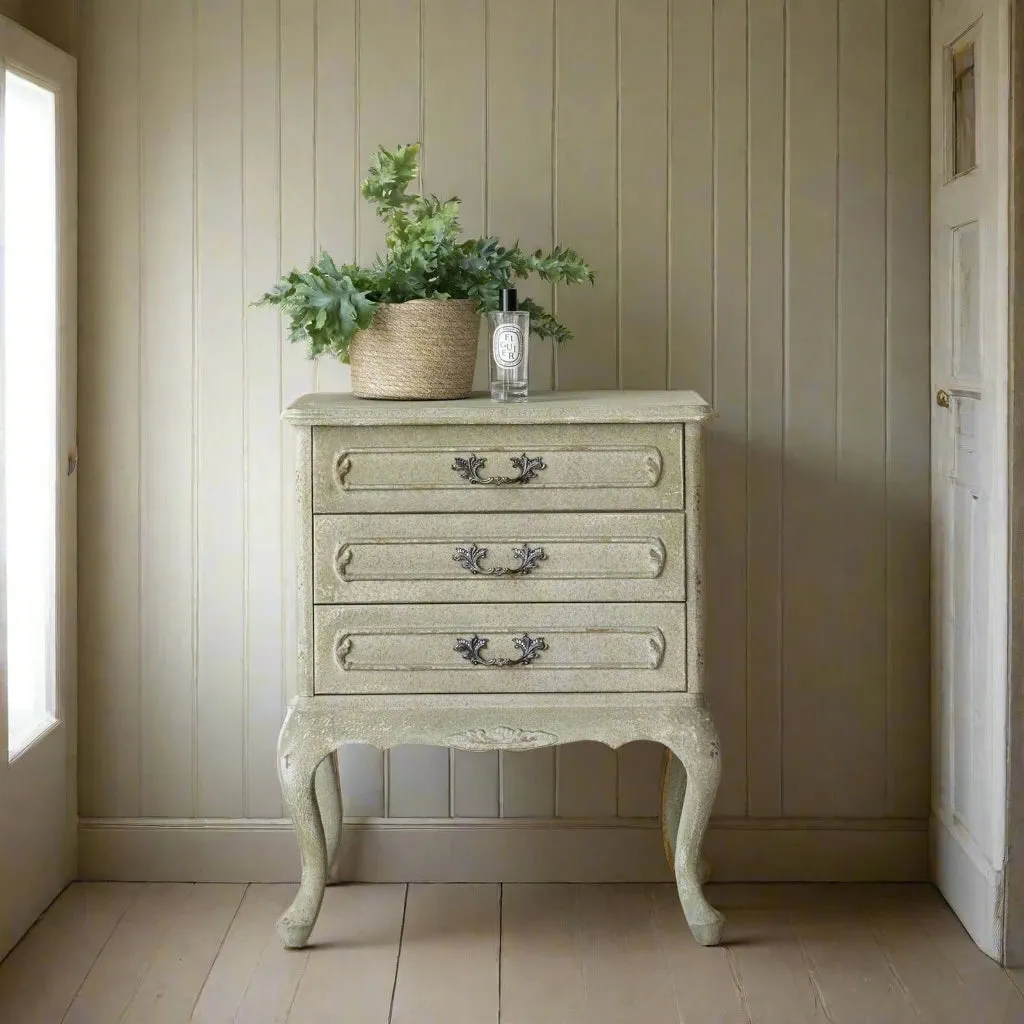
x,y
29,404
964,145
965,296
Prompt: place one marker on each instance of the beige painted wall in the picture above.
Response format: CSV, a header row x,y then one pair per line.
x,y
753,192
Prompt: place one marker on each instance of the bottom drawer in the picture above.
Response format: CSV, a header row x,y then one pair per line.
x,y
499,648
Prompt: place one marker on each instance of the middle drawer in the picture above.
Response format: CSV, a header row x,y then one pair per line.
x,y
540,556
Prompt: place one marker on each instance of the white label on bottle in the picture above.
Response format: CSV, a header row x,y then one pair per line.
x,y
507,345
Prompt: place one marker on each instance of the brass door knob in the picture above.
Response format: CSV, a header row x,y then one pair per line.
x,y
942,398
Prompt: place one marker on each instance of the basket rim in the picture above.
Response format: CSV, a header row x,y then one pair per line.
x,y
409,302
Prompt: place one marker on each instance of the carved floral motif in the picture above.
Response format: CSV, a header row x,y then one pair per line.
x,y
502,736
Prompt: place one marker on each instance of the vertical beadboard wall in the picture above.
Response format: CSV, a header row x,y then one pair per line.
x,y
749,179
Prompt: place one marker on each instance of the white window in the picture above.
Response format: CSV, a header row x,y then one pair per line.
x,y
29,364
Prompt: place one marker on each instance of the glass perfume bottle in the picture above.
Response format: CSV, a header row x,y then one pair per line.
x,y
509,333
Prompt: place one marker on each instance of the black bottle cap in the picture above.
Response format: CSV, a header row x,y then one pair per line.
x,y
507,303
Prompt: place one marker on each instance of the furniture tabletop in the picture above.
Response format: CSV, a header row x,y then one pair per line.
x,y
545,407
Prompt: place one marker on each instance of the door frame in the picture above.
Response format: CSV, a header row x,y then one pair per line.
x,y
1013,879
23,51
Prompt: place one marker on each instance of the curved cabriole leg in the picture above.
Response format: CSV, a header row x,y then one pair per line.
x,y
672,793
297,772
698,750
328,799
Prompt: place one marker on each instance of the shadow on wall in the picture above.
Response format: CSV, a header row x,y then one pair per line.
x,y
818,628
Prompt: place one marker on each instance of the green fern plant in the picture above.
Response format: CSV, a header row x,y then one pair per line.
x,y
423,259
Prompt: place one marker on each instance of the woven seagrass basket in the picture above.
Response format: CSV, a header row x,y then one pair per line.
x,y
424,348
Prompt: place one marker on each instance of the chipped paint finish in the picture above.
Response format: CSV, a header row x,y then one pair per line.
x,y
435,557
422,648
571,659
695,556
561,407
418,468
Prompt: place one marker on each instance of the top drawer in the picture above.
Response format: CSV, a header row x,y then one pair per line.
x,y
594,467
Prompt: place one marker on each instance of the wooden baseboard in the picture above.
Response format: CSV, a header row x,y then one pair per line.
x,y
503,850
969,883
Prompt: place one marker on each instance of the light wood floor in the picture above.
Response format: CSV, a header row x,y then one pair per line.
x,y
521,954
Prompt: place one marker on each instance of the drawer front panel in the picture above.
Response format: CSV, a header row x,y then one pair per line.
x,y
492,468
365,559
495,648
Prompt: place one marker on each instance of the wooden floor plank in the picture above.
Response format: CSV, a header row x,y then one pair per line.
x,y
118,971
704,980
254,979
1016,976
178,969
628,958
849,969
770,967
40,976
569,954
448,968
794,895
349,971
542,962
606,954
947,977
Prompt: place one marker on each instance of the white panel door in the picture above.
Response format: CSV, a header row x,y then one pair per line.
x,y
38,460
970,161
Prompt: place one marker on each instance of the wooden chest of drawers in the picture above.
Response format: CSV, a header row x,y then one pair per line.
x,y
491,576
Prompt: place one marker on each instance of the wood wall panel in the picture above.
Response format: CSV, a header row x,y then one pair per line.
x,y
263,678
750,183
108,409
586,137
860,409
691,197
639,781
586,786
167,404
643,81
811,778
908,408
727,439
220,377
766,144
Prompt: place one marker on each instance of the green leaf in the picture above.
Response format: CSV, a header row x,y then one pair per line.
x,y
423,258
543,324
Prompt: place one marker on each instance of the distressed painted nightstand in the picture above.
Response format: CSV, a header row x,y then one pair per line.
x,y
499,577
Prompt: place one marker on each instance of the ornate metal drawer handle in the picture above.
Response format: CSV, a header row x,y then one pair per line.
x,y
527,557
472,651
469,469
